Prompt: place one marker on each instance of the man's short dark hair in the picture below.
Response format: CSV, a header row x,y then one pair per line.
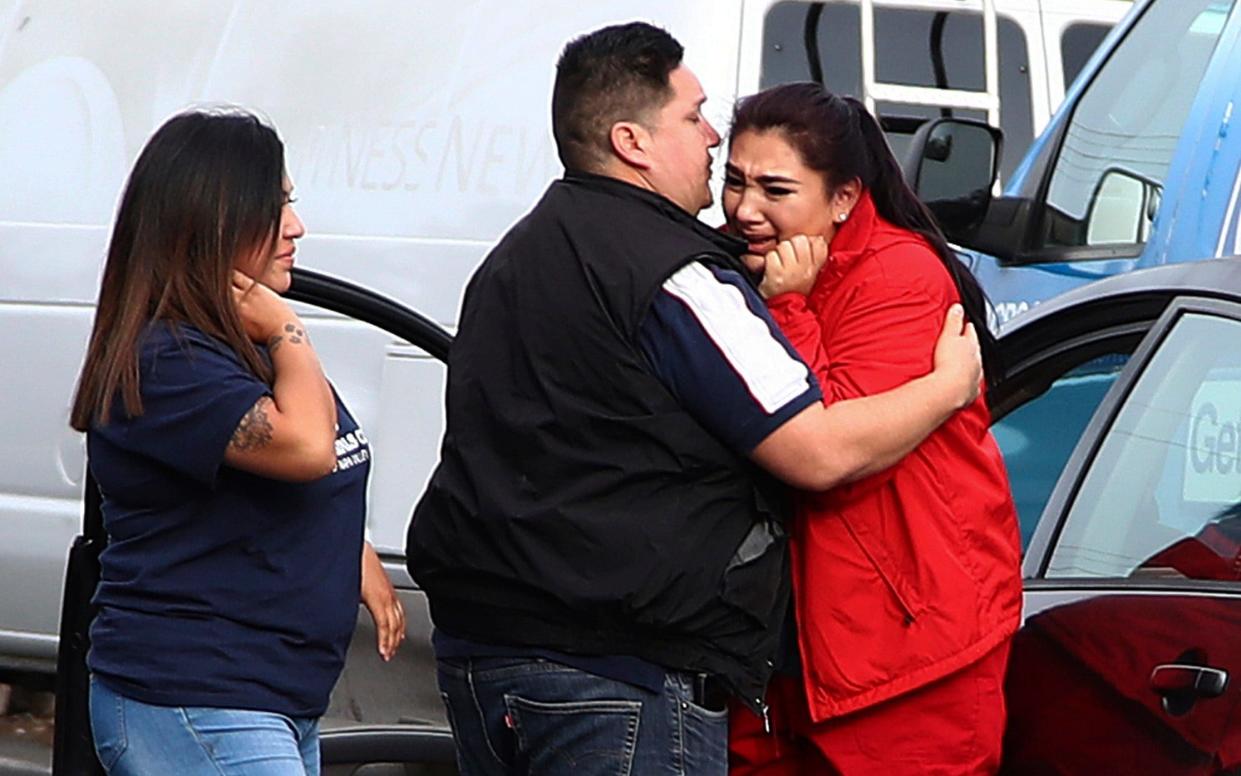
x,y
618,73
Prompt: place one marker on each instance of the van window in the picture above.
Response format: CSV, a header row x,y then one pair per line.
x,y
1077,43
1107,181
903,55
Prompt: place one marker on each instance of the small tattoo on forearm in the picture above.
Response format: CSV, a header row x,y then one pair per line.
x,y
254,431
274,343
296,335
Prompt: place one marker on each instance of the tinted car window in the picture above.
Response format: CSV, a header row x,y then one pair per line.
x,y
1162,497
1038,437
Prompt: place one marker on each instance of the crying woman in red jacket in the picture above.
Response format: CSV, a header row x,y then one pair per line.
x,y
907,585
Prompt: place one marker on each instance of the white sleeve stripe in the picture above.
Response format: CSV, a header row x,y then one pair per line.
x,y
772,376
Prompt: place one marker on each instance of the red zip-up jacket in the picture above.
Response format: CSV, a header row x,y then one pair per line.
x,y
910,574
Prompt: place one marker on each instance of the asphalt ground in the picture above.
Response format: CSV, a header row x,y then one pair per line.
x,y
25,745
25,731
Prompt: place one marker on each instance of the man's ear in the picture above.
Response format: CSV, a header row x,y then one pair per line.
x,y
631,142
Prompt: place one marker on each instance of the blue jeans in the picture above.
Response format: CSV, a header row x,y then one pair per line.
x,y
137,738
524,716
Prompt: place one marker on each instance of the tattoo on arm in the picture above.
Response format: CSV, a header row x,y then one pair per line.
x,y
292,335
254,431
296,335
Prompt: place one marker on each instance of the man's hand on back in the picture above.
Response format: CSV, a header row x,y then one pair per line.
x,y
958,359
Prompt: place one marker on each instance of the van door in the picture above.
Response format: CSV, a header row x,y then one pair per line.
x,y
416,133
803,40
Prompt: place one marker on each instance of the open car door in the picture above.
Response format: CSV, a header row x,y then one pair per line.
x,y
1119,418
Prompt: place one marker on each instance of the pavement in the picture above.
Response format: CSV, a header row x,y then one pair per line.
x,y
25,732
23,756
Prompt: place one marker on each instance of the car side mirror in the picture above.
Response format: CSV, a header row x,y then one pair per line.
x,y
952,165
1122,208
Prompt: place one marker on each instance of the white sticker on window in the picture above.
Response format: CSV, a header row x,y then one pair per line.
x,y
1212,465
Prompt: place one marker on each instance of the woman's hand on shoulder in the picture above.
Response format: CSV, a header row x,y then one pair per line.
x,y
290,434
793,266
264,314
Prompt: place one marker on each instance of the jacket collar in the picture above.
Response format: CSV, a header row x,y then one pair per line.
x,y
732,246
864,233
853,237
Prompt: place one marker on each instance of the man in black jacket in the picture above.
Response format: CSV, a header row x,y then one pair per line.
x,y
602,542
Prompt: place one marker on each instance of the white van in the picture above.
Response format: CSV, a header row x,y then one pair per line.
x,y
416,133
1042,45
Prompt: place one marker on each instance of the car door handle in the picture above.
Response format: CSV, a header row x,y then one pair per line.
x,y
1188,681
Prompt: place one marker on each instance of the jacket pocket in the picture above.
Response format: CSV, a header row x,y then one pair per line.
x,y
906,598
757,574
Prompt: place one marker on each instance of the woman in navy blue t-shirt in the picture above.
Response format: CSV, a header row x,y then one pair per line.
x,y
233,478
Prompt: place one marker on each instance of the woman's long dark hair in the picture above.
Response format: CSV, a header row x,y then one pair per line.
x,y
206,190
839,138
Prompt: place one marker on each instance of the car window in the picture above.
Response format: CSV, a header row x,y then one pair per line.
x,y
1037,438
903,55
1107,181
1162,497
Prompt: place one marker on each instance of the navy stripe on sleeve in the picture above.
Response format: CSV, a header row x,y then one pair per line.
x,y
712,342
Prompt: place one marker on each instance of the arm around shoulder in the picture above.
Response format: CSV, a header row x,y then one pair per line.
x,y
822,447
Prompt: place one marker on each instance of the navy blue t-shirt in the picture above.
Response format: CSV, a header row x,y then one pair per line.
x,y
219,587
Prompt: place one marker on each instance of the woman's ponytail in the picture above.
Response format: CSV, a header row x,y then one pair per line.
x,y
897,203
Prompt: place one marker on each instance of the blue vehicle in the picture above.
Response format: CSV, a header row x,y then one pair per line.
x,y
1138,167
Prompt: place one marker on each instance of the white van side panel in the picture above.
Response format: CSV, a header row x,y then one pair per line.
x,y
416,134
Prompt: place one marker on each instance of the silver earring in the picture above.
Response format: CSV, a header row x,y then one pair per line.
x,y
841,217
